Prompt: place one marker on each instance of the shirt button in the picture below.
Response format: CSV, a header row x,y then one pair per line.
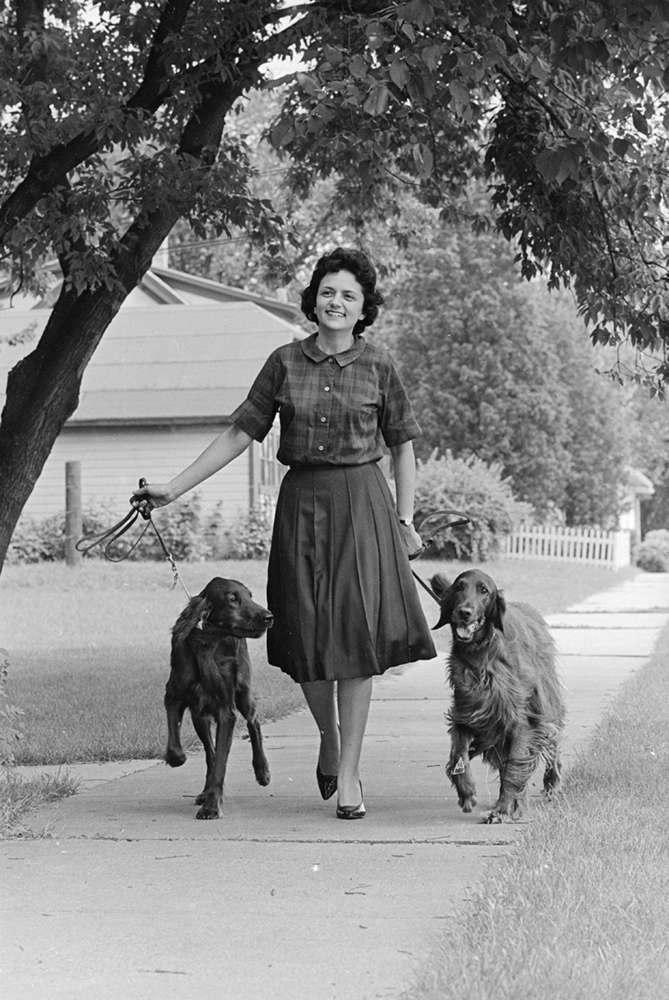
x,y
327,388
323,419
320,447
330,360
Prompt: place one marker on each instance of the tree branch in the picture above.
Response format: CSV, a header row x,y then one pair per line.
x,y
47,172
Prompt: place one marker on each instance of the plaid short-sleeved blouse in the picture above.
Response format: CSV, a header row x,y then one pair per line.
x,y
333,409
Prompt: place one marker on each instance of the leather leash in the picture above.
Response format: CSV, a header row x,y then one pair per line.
x,y
111,535
460,519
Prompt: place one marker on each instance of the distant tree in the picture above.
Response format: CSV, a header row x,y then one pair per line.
x,y
499,369
650,453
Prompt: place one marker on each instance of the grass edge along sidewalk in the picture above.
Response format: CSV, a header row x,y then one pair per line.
x,y
581,904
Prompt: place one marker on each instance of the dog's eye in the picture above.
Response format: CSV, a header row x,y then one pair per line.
x,y
484,590
233,599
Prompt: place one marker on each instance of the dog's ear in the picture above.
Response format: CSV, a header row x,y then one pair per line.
x,y
442,588
440,584
498,610
194,615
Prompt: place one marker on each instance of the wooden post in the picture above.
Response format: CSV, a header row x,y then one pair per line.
x,y
73,519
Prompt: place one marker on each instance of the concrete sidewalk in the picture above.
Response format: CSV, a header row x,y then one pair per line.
x,y
128,896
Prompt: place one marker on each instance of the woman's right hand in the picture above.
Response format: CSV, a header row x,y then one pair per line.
x,y
147,498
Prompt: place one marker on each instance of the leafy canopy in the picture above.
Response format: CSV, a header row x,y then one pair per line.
x,y
562,106
110,113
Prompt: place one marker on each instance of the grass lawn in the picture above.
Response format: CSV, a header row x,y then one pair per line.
x,y
580,909
89,647
89,656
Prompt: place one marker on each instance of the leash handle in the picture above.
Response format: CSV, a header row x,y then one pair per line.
x,y
111,535
436,521
145,512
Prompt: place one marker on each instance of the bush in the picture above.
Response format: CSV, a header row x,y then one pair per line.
x,y
480,492
186,532
653,552
251,537
38,541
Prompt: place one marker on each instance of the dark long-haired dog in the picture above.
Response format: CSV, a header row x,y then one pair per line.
x,y
211,676
507,699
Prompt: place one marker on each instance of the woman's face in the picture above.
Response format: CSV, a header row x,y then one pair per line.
x,y
340,302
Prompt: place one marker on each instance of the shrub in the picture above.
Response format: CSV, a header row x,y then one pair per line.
x,y
480,492
186,532
251,536
38,541
653,552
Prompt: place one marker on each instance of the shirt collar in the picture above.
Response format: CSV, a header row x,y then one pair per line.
x,y
345,358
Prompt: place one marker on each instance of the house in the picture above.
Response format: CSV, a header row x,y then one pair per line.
x,y
174,363
637,487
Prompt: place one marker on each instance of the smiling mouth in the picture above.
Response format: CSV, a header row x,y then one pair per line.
x,y
466,631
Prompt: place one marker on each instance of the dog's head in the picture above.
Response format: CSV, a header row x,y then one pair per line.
x,y
471,604
224,607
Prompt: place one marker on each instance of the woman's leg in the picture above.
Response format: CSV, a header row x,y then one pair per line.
x,y
320,697
353,699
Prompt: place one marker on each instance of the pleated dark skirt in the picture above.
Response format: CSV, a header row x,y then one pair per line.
x,y
340,585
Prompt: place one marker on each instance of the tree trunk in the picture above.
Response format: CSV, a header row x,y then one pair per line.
x,y
43,388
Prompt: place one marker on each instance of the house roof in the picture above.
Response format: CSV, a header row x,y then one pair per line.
x,y
159,286
639,484
162,364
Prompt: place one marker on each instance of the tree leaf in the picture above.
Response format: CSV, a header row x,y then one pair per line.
x,y
377,102
639,122
400,73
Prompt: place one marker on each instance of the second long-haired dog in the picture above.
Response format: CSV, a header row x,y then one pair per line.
x,y
211,676
507,698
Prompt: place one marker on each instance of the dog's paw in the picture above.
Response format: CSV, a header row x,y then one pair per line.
x,y
208,812
175,758
467,803
263,776
501,816
495,817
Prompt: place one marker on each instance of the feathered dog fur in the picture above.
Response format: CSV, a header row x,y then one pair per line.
x,y
507,698
211,676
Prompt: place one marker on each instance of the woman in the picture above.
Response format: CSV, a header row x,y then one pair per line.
x,y
339,581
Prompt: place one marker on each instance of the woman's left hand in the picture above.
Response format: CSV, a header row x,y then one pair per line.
x,y
412,539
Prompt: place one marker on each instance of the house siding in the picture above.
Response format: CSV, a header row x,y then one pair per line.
x,y
113,459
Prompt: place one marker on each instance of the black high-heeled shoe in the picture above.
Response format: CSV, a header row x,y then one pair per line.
x,y
352,812
327,783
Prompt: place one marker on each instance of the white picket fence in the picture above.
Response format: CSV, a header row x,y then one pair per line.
x,y
586,545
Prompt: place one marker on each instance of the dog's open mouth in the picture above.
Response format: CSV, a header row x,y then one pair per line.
x,y
466,631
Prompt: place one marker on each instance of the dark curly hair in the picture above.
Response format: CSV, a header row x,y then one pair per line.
x,y
362,269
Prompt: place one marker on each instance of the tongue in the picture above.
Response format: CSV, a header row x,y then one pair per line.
x,y
466,631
